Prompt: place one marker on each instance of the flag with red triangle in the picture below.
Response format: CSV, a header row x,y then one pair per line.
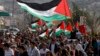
x,y
45,33
77,25
62,26
50,11
60,29
69,27
68,30
34,23
63,8
82,29
40,22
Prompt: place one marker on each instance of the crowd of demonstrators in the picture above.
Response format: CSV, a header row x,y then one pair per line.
x,y
28,44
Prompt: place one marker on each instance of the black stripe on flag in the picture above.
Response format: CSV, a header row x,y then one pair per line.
x,y
42,7
35,21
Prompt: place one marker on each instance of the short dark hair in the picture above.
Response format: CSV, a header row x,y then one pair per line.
x,y
33,42
21,47
7,45
62,44
50,53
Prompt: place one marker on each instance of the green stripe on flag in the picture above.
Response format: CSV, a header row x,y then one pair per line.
x,y
45,18
58,33
67,33
34,25
49,24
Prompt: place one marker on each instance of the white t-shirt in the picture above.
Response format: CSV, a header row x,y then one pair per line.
x,y
9,52
44,51
80,48
33,52
52,48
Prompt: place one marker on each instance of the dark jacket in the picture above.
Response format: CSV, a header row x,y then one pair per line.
x,y
1,52
24,54
55,48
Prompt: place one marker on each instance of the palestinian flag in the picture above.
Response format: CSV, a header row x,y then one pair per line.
x,y
37,23
68,30
45,33
60,29
69,27
49,24
51,33
62,26
40,22
34,24
30,29
77,25
50,11
82,29
44,26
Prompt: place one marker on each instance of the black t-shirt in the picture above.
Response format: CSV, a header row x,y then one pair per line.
x,y
73,35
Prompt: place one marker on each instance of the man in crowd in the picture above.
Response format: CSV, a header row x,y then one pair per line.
x,y
33,51
1,48
7,50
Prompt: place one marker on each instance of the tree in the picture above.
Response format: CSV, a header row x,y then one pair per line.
x,y
76,13
92,21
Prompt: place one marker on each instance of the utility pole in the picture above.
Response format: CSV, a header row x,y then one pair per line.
x,y
12,21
